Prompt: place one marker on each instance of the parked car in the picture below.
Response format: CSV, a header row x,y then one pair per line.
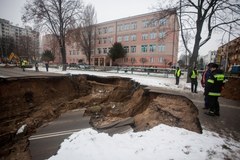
x,y
72,65
83,66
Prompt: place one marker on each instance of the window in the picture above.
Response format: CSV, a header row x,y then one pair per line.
x,y
110,39
161,48
99,50
133,49
119,39
145,24
126,38
99,30
153,35
104,29
104,40
162,34
110,29
160,59
151,59
134,25
152,48
126,26
126,48
144,36
104,50
134,37
144,48
99,41
163,22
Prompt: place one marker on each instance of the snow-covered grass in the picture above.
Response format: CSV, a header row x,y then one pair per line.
x,y
161,142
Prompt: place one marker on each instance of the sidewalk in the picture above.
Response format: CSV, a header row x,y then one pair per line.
x,y
227,124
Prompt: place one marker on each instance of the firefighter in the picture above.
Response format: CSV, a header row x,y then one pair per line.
x,y
213,89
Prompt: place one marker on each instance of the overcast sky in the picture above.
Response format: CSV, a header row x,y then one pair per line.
x,y
106,10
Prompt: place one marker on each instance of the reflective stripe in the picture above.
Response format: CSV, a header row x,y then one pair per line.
x,y
219,77
214,94
210,81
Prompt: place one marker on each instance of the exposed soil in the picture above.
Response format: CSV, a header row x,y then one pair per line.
x,y
36,101
232,89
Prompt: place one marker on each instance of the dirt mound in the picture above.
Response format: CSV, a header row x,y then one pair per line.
x,y
32,102
232,89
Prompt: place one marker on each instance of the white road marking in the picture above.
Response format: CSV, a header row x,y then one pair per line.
x,y
54,134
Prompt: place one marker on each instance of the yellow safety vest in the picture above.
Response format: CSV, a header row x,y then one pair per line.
x,y
194,75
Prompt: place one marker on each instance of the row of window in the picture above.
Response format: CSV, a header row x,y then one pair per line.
x,y
144,60
133,49
133,26
74,52
133,37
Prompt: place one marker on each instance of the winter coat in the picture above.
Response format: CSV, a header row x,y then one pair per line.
x,y
214,83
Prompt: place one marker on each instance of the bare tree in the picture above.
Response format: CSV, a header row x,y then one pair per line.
x,y
203,17
84,34
57,16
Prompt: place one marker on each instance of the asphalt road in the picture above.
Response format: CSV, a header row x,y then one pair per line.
x,y
48,138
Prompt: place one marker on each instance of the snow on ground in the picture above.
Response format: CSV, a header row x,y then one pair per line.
x,y
161,142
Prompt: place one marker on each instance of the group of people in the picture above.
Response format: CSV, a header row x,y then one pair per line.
x,y
212,81
24,63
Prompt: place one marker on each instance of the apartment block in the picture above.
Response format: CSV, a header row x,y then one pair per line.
x,y
22,41
151,40
230,51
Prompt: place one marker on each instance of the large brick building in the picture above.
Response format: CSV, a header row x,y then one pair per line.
x,y
150,40
230,50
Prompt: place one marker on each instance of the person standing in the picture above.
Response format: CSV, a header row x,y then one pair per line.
x,y
23,64
36,67
194,80
46,65
205,76
213,89
177,75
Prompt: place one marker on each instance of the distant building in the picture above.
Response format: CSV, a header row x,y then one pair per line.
x,y
149,41
21,41
230,50
210,57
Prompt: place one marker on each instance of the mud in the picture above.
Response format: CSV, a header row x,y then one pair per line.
x,y
36,101
231,89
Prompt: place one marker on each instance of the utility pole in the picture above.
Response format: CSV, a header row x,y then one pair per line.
x,y
226,61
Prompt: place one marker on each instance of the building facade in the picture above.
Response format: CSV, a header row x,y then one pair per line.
x,y
211,57
230,51
149,40
21,41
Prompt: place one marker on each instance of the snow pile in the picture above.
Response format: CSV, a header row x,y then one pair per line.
x,y
160,142
21,129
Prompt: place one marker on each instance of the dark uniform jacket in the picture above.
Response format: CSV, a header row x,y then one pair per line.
x,y
214,83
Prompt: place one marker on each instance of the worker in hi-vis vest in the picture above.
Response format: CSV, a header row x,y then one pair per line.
x,y
177,75
194,80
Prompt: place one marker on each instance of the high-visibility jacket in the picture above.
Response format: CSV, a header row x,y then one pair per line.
x,y
177,72
24,63
194,74
214,83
